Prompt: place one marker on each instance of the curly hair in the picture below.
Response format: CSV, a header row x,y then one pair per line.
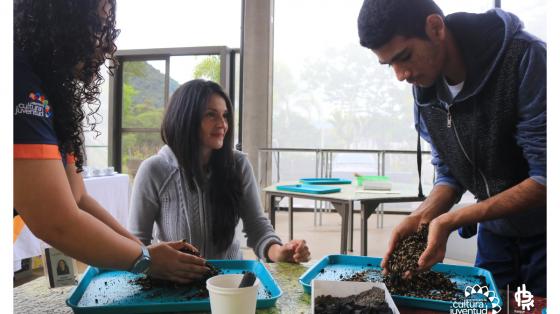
x,y
67,42
381,20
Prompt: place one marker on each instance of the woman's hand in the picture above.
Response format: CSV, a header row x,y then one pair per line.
x,y
171,264
295,251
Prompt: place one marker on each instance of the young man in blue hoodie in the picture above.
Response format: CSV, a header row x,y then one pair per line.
x,y
479,85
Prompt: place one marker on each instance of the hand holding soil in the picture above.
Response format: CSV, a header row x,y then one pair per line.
x,y
407,227
437,244
404,259
403,276
169,263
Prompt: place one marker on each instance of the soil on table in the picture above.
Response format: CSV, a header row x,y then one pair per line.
x,y
369,301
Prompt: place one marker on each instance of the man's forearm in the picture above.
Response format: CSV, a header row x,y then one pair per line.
x,y
438,202
522,197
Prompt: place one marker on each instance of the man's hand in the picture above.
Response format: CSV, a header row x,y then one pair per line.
x,y
439,201
408,226
295,251
171,264
438,234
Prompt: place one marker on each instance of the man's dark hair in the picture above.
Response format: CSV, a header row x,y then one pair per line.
x,y
180,130
381,20
56,36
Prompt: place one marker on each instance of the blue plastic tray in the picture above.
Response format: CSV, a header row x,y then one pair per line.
x,y
336,267
110,291
308,188
325,181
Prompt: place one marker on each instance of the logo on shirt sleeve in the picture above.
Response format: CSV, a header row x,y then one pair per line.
x,y
37,105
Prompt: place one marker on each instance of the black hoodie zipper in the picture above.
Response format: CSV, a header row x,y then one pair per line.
x,y
451,124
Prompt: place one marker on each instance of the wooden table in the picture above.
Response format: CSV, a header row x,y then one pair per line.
x,y
343,202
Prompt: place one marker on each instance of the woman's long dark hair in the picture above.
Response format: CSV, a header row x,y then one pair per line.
x,y
56,36
180,130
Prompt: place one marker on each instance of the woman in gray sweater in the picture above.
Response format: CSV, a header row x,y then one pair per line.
x,y
198,187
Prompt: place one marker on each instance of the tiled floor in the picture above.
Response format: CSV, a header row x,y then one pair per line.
x,y
325,239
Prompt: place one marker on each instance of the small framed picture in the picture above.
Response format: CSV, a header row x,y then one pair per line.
x,y
60,269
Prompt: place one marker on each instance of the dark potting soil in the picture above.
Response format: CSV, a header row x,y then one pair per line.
x,y
405,256
428,284
369,301
148,283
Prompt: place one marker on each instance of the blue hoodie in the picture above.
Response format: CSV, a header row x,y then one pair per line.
x,y
482,40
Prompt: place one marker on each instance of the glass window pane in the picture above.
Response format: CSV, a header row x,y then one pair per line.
x,y
532,13
97,141
143,93
476,6
136,147
331,92
185,68
97,156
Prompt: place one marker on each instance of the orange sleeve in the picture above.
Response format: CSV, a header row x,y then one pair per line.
x,y
36,151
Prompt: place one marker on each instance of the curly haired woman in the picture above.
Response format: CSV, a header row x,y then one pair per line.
x,y
59,47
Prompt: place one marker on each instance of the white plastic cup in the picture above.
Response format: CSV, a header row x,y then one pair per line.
x,y
227,298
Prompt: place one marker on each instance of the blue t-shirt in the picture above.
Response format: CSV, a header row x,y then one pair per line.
x,y
34,134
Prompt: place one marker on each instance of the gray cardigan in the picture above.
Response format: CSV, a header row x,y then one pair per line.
x,y
160,196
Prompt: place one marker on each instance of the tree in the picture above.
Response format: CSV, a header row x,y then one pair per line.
x,y
357,103
209,69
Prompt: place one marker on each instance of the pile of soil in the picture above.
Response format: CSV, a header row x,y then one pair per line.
x,y
428,284
405,256
370,301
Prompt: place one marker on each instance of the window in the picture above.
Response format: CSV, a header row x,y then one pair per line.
x,y
329,92
143,100
453,6
532,13
97,146
175,23
145,81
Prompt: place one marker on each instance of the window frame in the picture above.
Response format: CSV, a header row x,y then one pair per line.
x,y
116,129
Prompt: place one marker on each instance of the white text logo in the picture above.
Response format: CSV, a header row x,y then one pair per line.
x,y
524,298
478,300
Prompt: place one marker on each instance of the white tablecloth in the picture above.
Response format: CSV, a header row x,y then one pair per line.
x,y
112,192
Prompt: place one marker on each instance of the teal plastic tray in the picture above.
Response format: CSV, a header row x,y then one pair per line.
x,y
308,188
336,267
325,181
110,291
